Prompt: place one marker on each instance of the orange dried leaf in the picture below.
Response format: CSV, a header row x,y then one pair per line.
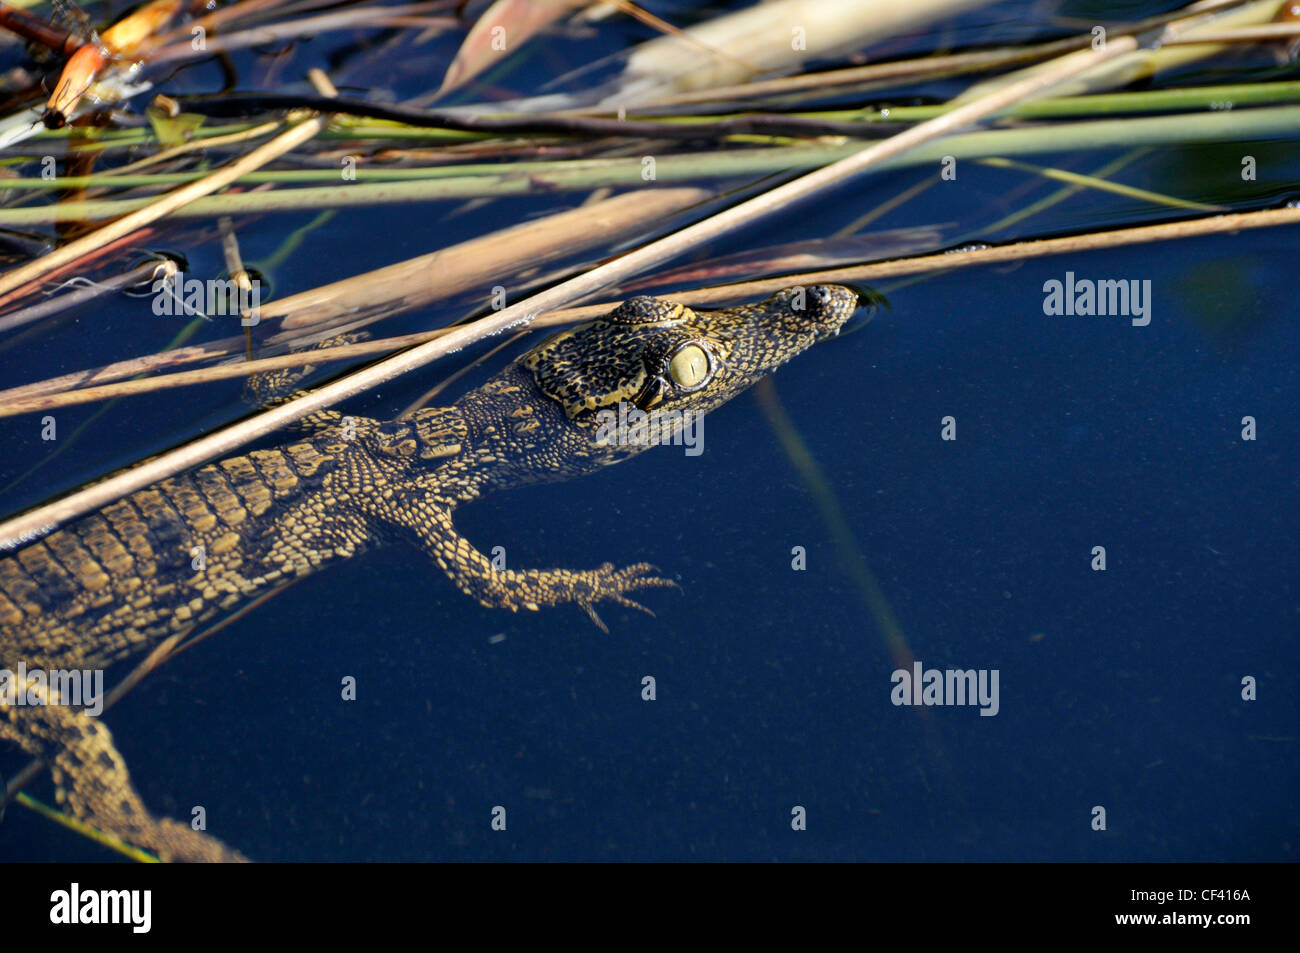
x,y
128,34
79,72
83,67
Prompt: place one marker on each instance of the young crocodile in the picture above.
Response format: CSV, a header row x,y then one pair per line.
x,y
118,581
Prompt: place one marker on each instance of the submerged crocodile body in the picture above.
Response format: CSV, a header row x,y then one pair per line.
x,y
192,548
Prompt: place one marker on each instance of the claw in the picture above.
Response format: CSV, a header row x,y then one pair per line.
x,y
631,604
630,574
591,614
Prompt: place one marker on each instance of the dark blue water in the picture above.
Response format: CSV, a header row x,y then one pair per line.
x,y
1120,689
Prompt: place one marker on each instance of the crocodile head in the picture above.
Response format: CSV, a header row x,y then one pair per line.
x,y
603,391
652,353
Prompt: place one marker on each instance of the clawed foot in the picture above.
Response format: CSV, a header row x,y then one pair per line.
x,y
610,583
532,589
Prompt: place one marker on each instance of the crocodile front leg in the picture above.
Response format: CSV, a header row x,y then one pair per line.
x,y
472,572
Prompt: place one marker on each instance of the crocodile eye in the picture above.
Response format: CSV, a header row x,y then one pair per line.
x,y
690,368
